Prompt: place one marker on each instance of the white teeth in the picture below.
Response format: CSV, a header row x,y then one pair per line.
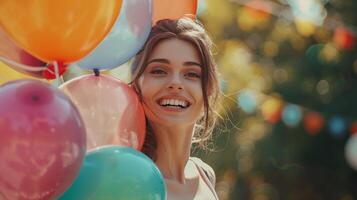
x,y
173,102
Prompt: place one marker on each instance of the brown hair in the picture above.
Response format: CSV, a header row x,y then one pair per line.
x,y
193,32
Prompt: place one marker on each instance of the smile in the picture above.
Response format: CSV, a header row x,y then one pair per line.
x,y
174,103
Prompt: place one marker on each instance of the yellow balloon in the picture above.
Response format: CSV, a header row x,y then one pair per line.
x,y
8,74
58,30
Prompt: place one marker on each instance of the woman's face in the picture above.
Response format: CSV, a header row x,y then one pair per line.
x,y
171,84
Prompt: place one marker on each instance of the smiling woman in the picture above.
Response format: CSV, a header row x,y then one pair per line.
x,y
175,76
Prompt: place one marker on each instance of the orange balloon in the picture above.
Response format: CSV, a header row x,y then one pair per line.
x,y
173,9
63,30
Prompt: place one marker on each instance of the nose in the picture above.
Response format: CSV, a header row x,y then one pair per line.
x,y
175,83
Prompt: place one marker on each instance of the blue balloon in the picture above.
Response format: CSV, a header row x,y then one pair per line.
x,y
115,172
292,115
127,37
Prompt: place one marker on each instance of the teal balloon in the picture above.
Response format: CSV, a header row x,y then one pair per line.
x,y
115,173
127,36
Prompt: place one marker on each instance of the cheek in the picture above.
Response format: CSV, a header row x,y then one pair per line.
x,y
198,93
148,88
144,89
146,93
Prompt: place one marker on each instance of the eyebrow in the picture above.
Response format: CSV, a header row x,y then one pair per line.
x,y
165,61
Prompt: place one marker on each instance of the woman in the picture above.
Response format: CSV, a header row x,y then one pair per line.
x,y
176,78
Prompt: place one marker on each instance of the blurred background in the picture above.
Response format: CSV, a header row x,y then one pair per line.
x,y
289,77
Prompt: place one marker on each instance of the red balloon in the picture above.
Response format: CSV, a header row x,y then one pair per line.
x,y
42,141
50,72
173,9
111,111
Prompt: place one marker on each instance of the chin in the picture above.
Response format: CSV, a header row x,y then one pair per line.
x,y
172,122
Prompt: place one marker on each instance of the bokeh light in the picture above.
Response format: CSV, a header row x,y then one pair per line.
x,y
280,75
329,54
271,109
353,128
270,48
344,38
351,151
292,115
305,27
247,101
311,11
313,122
337,126
323,87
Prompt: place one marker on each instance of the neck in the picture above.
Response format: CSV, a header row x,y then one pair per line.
x,y
173,150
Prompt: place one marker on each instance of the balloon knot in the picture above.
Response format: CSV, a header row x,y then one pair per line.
x,y
49,73
96,72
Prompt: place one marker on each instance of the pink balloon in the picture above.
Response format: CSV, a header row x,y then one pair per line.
x,y
23,61
42,143
111,111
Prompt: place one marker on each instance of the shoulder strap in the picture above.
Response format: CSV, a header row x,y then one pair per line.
x,y
206,169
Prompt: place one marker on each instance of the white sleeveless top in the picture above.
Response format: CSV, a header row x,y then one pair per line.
x,y
206,173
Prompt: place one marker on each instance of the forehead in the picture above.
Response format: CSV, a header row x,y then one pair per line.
x,y
175,50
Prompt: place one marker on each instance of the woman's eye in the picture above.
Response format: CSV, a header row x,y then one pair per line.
x,y
157,71
193,75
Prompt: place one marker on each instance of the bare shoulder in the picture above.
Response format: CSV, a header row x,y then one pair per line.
x,y
206,168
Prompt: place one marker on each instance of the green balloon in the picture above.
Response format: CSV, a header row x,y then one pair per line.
x,y
114,173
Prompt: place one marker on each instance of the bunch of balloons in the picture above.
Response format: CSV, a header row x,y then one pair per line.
x,y
83,140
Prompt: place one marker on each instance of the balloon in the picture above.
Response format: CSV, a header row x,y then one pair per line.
x,y
15,57
63,30
110,109
50,72
126,38
42,142
8,74
114,172
174,9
